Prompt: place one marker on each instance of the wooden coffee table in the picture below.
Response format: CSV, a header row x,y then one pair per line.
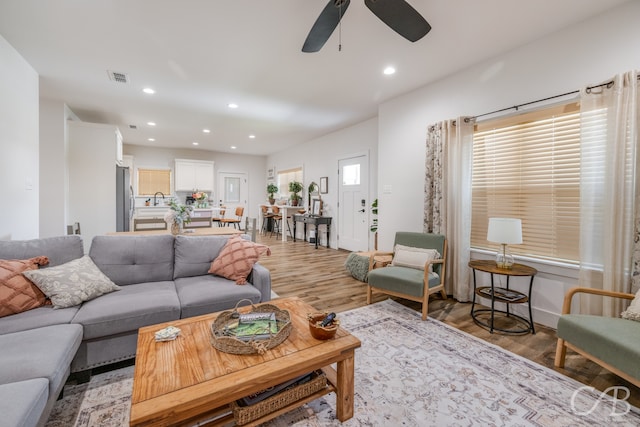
x,y
187,380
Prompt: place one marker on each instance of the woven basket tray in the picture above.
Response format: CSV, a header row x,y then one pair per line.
x,y
233,345
246,414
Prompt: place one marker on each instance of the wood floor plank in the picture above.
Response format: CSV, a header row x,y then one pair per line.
x,y
319,278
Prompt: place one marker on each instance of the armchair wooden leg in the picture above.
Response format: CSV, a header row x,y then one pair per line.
x,y
443,294
561,354
369,294
425,306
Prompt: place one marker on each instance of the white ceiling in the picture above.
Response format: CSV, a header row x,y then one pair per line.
x,y
200,55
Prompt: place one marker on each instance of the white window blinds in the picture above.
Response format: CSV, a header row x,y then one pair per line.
x,y
528,167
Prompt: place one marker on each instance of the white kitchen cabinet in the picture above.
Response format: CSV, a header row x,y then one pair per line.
x,y
191,175
92,154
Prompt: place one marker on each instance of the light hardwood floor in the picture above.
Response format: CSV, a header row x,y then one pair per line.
x,y
320,279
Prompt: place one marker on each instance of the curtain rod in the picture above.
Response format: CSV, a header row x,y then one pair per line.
x,y
516,107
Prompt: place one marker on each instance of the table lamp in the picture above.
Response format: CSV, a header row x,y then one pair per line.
x,y
504,231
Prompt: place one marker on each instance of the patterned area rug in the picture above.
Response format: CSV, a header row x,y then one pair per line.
x,y
408,372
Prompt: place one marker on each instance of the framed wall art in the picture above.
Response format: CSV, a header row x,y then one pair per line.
x,y
324,185
316,207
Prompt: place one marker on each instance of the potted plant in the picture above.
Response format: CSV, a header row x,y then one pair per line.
x,y
295,187
272,189
374,224
177,216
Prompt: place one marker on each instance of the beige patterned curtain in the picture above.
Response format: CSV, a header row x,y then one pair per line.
x,y
447,197
609,191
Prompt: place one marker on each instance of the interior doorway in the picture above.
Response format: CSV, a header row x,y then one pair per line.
x,y
353,203
233,191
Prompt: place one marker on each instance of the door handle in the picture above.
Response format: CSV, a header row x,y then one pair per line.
x,y
361,210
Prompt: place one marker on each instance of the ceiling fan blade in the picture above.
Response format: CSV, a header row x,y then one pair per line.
x,y
401,17
325,24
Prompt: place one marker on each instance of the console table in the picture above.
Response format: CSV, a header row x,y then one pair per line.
x,y
503,295
316,221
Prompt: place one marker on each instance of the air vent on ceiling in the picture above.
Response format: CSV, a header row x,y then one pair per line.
x,y
118,77
133,127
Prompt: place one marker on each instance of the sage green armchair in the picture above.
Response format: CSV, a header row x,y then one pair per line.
x,y
412,274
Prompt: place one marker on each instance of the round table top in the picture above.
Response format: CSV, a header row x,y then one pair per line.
x,y
490,266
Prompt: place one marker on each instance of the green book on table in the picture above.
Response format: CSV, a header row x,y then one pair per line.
x,y
256,328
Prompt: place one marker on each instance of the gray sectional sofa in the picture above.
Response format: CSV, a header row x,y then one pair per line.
x,y
162,278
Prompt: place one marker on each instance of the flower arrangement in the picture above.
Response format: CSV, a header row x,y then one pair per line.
x,y
199,196
178,214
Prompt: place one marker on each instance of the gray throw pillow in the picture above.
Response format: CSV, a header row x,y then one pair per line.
x,y
72,283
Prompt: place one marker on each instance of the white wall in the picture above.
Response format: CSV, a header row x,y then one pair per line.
x,y
320,156
19,186
54,174
253,166
587,53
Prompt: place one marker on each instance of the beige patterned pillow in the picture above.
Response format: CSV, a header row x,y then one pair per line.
x,y
633,311
407,256
72,283
236,259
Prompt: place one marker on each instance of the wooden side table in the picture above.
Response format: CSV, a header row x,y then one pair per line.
x,y
503,295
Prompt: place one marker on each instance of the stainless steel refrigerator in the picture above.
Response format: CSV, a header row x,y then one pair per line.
x,y
124,199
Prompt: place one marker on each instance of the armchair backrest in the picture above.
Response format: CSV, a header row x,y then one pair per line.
x,y
424,241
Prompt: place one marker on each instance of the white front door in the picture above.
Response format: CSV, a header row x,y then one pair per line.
x,y
233,191
353,203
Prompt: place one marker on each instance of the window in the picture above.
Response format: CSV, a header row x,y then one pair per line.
x,y
351,175
528,167
287,176
150,181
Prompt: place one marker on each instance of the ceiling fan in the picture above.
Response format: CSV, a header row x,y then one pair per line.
x,y
397,14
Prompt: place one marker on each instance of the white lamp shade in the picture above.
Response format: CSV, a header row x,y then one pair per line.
x,y
505,230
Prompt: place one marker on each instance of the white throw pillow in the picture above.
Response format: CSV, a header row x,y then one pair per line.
x,y
633,311
72,283
407,256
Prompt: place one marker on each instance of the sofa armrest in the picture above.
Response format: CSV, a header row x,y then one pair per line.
x,y
260,278
566,306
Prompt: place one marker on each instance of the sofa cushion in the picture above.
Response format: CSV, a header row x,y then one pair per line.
x,y
405,280
208,294
594,335
39,353
17,293
195,253
72,283
22,403
59,250
236,259
37,318
129,309
134,259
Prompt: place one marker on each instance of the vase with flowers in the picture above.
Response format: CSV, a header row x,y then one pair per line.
x,y
177,216
201,199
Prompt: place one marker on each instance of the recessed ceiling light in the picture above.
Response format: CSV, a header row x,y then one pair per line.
x,y
151,123
195,143
151,139
148,90
233,105
233,147
206,131
389,71
252,136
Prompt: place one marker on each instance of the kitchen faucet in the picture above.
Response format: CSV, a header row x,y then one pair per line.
x,y
155,200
